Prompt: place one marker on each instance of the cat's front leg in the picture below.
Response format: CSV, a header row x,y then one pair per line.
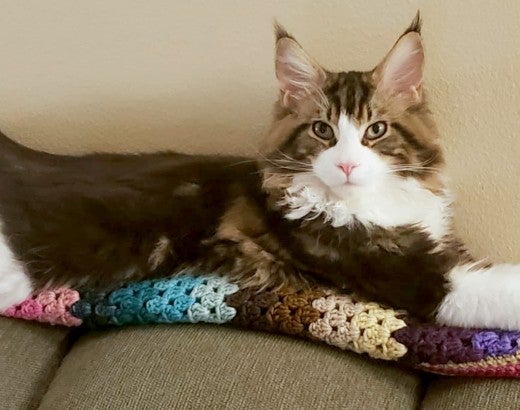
x,y
253,262
15,284
484,297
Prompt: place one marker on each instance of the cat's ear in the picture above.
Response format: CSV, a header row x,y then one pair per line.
x,y
298,74
401,71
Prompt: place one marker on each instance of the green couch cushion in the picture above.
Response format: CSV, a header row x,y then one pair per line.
x,y
29,355
475,394
204,366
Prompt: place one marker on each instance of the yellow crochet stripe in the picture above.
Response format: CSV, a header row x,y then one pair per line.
x,y
362,327
497,361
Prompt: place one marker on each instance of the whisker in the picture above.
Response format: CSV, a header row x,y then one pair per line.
x,y
246,161
413,167
414,170
287,174
426,161
286,163
288,157
417,167
295,169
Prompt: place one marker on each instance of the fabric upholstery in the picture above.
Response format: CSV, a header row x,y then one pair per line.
x,y
29,356
198,77
177,367
318,314
474,394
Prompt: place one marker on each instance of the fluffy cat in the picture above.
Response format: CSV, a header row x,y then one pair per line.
x,y
348,191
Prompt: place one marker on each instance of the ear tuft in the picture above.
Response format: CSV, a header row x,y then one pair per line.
x,y
416,24
298,74
280,32
401,71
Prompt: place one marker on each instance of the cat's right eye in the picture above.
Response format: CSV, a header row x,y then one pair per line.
x,y
323,130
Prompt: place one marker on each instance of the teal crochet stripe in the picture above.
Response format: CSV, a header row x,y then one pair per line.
x,y
183,299
318,314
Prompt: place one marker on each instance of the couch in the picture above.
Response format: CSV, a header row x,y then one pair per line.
x,y
212,367
198,77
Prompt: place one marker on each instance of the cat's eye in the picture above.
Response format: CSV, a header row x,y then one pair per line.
x,y
376,130
323,130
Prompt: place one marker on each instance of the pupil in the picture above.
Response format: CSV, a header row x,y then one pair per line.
x,y
376,129
323,128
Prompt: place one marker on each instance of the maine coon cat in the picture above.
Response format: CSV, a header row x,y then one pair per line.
x,y
348,191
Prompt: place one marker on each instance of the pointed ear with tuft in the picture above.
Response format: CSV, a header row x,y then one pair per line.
x,y
298,74
401,71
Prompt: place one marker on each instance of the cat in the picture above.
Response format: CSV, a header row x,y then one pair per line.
x,y
347,191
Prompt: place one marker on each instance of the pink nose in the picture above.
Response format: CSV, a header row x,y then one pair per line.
x,y
347,167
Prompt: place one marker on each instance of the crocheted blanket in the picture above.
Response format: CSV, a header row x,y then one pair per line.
x,y
321,315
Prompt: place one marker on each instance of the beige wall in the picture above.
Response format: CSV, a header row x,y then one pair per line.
x,y
197,76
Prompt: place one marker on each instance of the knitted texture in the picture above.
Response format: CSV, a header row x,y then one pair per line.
x,y
49,306
340,321
176,300
361,327
323,315
281,312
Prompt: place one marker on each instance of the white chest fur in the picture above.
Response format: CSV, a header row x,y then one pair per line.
x,y
396,202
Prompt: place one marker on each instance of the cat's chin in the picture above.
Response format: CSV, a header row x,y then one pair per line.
x,y
355,189
329,191
344,185
343,188
351,184
348,186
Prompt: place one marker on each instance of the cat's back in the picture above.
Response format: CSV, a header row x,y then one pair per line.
x,y
22,168
40,191
105,213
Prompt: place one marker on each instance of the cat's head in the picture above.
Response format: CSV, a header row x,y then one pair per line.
x,y
352,129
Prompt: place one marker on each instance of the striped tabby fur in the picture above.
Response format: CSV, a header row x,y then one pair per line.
x,y
348,190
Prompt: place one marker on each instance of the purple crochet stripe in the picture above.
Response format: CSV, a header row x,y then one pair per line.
x,y
440,345
496,342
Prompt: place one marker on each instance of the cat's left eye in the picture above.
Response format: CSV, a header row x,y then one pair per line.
x,y
376,130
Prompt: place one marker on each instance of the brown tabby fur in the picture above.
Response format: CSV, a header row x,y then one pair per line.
x,y
102,219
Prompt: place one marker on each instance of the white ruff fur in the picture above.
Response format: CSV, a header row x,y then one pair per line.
x,y
371,194
396,202
15,285
487,298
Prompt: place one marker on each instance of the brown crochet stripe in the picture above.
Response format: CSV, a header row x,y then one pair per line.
x,y
281,311
320,315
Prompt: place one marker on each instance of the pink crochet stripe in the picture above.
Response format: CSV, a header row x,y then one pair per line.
x,y
475,370
48,306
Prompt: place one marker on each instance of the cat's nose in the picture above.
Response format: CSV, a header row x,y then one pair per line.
x,y
347,167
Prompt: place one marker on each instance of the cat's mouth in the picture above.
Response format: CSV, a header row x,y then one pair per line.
x,y
349,182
